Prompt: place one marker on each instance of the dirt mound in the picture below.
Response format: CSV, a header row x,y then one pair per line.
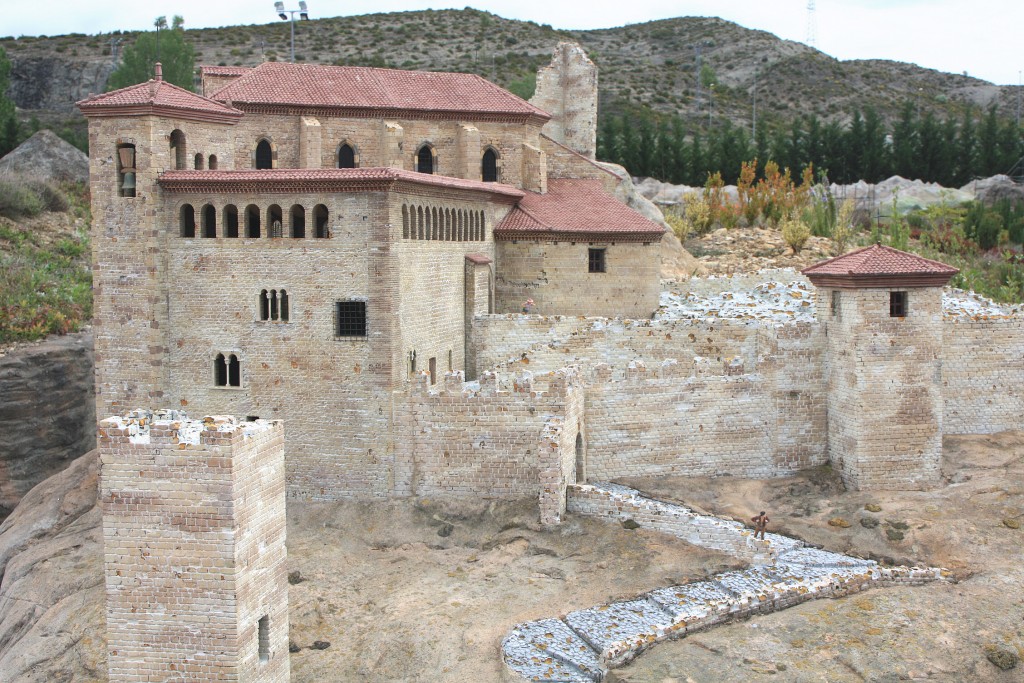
x,y
44,155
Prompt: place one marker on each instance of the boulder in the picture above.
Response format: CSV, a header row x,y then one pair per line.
x,y
48,411
991,190
44,155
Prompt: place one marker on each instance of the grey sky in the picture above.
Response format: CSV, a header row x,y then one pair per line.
x,y
981,37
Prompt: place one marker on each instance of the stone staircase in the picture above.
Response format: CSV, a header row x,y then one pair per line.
x,y
583,645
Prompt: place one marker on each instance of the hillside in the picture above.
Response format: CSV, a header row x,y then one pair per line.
x,y
652,64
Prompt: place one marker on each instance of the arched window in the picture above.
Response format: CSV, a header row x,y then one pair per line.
x,y
264,155
425,159
178,149
209,221
126,170
274,308
275,228
187,220
234,371
489,166
220,371
283,296
320,217
231,221
213,162
405,221
198,162
298,220
252,221
419,223
264,305
346,156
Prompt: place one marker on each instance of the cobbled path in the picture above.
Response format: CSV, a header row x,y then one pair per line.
x,y
583,645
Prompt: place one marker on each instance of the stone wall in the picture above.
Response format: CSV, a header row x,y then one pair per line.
x,y
556,276
982,375
500,438
567,89
194,538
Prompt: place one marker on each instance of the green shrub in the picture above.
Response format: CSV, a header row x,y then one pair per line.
x,y
18,200
795,232
983,225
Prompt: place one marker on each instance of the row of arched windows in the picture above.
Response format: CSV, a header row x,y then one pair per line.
x,y
452,225
263,158
250,222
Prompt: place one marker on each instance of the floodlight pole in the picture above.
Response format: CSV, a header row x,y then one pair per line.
x,y
303,13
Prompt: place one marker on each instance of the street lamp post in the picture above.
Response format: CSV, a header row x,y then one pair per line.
x,y
303,13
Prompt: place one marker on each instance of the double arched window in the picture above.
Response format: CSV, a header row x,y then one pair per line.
x,y
227,370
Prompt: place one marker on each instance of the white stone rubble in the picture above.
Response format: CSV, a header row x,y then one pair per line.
x,y
581,647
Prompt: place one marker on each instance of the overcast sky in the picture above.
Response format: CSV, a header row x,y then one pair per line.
x,y
982,37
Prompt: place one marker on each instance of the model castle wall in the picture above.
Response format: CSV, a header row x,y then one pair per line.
x,y
194,548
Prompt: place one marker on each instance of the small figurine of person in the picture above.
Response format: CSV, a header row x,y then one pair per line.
x,y
528,306
760,524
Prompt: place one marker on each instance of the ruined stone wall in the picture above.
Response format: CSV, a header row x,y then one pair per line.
x,y
555,275
885,400
563,162
982,375
375,142
194,538
502,438
542,343
567,89
666,421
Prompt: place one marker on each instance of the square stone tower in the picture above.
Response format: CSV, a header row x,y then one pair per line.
x,y
881,310
194,547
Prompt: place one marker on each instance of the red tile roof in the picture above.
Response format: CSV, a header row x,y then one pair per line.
x,y
290,180
158,97
879,266
372,92
478,259
576,208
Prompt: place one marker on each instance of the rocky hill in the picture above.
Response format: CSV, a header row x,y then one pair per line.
x,y
652,64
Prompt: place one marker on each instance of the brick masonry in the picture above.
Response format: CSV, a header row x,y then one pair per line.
x,y
194,548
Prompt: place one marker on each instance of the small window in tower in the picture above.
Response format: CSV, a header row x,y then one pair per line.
x,y
274,225
187,220
178,149
208,217
126,170
320,217
350,318
252,221
298,221
213,162
198,162
231,221
836,304
263,637
596,262
897,304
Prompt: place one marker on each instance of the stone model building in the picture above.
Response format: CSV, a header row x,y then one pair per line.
x,y
302,241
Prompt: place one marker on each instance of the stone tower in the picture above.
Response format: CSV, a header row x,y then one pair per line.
x,y
194,546
135,134
881,310
567,89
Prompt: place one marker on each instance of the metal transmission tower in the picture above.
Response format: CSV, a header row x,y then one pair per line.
x,y
812,25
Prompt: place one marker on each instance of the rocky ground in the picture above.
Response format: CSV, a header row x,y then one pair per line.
x,y
744,250
422,591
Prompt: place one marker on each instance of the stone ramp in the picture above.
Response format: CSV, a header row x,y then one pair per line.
x,y
581,646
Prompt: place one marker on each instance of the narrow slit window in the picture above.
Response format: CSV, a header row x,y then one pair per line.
x,y
897,304
284,305
350,318
596,262
263,637
264,305
836,305
274,314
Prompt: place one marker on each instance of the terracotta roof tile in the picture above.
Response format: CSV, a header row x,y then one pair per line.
x,y
879,266
575,207
155,96
309,179
364,88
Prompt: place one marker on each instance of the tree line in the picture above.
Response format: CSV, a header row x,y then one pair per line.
x,y
950,151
